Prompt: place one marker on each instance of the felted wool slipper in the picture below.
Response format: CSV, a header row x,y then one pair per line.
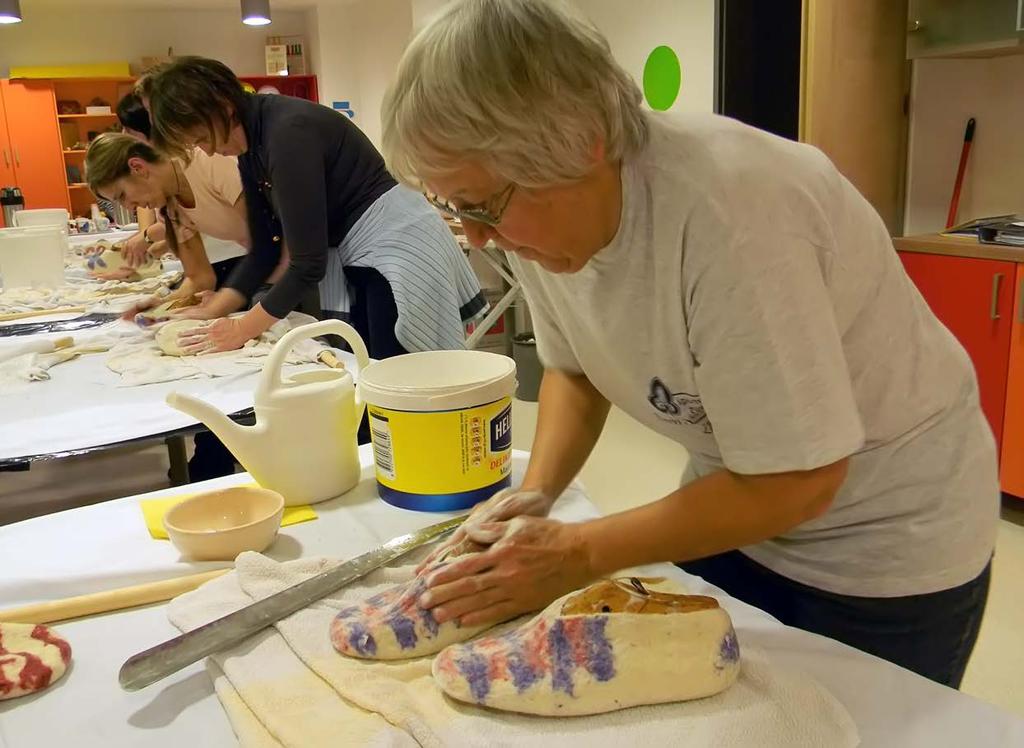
x,y
612,645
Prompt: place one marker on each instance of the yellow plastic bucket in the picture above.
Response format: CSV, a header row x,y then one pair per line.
x,y
441,424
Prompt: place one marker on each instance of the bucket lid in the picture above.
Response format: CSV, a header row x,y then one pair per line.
x,y
438,380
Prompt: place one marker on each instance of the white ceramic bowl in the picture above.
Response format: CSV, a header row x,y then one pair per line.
x,y
218,525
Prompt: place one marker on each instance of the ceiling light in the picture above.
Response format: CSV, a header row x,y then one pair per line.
x,y
254,12
10,11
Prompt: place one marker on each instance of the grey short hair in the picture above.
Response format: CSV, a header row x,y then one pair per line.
x,y
523,87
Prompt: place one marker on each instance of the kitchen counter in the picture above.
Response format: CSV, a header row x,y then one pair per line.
x,y
957,246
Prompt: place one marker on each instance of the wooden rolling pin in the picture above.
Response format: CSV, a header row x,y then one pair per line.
x,y
41,313
329,359
103,602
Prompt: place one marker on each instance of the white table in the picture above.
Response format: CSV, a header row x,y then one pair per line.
x,y
113,236
106,546
82,407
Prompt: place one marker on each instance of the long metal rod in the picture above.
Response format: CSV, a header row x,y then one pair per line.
x,y
146,668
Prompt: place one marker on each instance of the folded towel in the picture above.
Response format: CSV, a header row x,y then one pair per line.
x,y
288,686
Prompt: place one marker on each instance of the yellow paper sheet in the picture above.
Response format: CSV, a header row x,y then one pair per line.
x,y
153,510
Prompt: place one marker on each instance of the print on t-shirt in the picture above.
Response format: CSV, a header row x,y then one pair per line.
x,y
678,407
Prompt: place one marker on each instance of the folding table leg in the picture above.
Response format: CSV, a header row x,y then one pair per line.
x,y
179,460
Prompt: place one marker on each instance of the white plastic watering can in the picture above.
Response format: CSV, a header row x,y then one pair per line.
x,y
303,444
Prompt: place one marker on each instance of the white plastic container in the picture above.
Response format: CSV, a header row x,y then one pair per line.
x,y
42,217
32,256
441,423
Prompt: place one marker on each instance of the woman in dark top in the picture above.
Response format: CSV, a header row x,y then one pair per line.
x,y
382,256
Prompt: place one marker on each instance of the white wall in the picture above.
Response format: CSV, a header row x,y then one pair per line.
x,y
65,36
423,10
635,28
945,94
337,51
361,43
359,46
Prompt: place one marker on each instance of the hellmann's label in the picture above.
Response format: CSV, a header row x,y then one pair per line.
x,y
443,452
501,430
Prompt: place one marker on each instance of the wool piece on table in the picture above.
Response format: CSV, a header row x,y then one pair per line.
x,y
289,685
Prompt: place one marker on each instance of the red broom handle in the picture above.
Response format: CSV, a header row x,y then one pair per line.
x,y
954,203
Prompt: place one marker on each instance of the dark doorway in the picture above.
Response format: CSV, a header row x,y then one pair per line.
x,y
757,70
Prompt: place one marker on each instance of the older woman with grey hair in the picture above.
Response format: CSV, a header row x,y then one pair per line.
x,y
730,290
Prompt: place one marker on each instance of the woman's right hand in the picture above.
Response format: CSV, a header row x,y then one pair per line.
x,y
504,505
135,251
141,306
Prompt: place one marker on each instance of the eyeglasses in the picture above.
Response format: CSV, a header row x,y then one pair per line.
x,y
484,215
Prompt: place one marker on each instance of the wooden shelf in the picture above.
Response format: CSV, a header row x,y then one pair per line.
x,y
958,246
112,115
303,77
75,150
78,186
114,79
997,48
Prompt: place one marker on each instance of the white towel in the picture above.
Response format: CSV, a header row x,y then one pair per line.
x,y
95,295
288,686
139,360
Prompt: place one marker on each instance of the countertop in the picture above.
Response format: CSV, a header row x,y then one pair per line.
x,y
957,246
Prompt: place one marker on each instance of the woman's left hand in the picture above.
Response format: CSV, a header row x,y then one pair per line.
x,y
203,310
530,562
221,335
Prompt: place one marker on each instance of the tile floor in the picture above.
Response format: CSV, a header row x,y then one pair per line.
x,y
630,465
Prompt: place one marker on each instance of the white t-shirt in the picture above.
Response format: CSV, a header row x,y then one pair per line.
x,y
217,214
752,308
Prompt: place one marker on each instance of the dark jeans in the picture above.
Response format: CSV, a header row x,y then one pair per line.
x,y
375,313
931,634
211,458
374,316
222,270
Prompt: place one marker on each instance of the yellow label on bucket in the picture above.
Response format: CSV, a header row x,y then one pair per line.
x,y
442,452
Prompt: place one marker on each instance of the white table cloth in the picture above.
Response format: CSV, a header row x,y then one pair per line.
x,y
106,545
82,406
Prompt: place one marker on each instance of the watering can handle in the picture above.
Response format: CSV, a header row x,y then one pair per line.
x,y
270,379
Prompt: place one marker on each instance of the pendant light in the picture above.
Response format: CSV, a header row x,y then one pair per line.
x,y
10,11
254,12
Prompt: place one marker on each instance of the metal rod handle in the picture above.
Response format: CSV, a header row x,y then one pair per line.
x,y
7,159
993,310
17,158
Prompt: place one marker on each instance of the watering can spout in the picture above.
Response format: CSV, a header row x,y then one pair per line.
x,y
236,438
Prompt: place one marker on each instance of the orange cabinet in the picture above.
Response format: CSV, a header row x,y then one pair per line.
x,y
1011,467
7,178
974,299
34,139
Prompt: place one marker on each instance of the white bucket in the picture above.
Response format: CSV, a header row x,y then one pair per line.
x,y
441,423
32,256
24,219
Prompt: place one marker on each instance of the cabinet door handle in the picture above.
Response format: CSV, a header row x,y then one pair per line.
x,y
17,158
7,160
993,310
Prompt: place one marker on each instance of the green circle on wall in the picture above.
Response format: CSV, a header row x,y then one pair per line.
x,y
662,78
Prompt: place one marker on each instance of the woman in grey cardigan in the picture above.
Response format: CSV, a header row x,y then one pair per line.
x,y
379,252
